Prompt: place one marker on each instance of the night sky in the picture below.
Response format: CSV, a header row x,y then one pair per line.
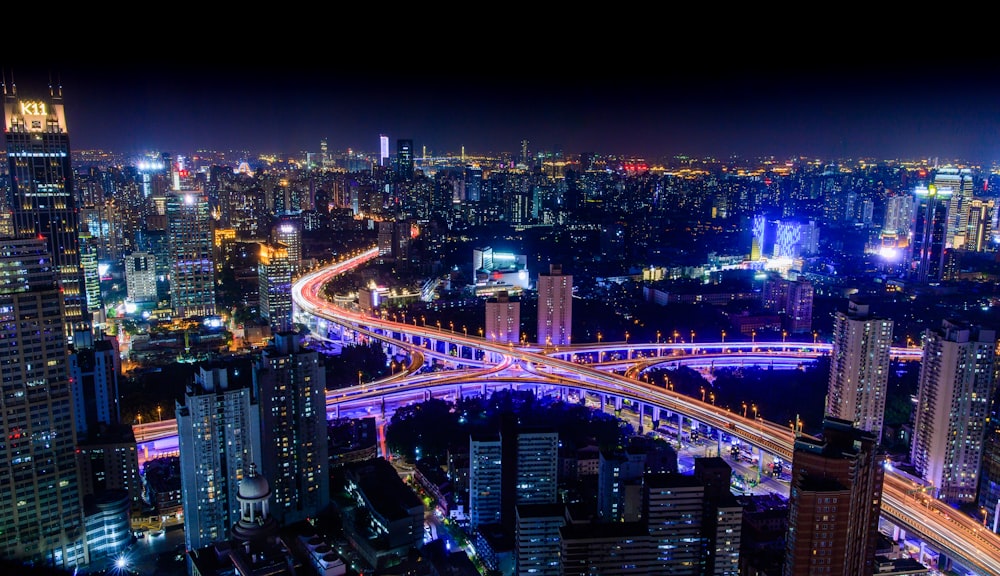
x,y
883,110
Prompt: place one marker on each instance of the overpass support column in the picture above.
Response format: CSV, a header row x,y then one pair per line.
x,y
427,395
760,463
618,403
898,533
484,390
458,393
382,405
680,429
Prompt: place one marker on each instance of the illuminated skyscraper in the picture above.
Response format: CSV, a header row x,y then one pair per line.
x,y
140,277
980,229
192,268
954,391
929,229
859,367
957,181
41,507
485,476
292,385
218,436
41,195
835,500
555,307
404,159
288,231
274,279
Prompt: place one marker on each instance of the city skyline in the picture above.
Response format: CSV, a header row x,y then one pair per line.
x,y
886,110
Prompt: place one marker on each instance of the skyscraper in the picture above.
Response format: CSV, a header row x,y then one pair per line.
x,y
834,502
859,367
954,389
41,197
555,307
140,277
274,279
537,462
41,507
218,436
192,268
404,159
929,229
291,383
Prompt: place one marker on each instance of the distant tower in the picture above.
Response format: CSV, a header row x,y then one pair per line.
x,y
989,470
274,286
954,390
288,231
537,463
555,307
383,150
292,385
192,267
503,318
41,506
835,502
859,367
404,159
95,387
41,194
929,229
140,277
218,436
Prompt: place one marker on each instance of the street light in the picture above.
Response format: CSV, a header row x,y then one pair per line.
x,y
702,393
723,336
626,337
359,377
711,396
657,336
598,337
754,408
159,414
744,409
452,324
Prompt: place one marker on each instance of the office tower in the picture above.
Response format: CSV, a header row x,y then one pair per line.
x,y
608,548
980,228
41,507
834,502
555,307
958,181
91,276
859,367
274,279
383,149
291,383
288,231
537,540
503,318
485,476
41,194
218,436
94,384
763,232
955,386
192,269
140,277
794,239
404,159
473,183
929,229
674,511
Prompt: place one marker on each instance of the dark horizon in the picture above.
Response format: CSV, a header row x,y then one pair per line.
x,y
911,111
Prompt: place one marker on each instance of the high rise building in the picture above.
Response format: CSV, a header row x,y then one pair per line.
x,y
140,277
537,462
288,231
109,461
859,367
485,475
555,307
274,279
959,182
929,229
537,540
404,159
41,194
979,234
721,518
674,514
94,381
192,268
41,506
291,383
955,387
988,495
835,500
218,437
503,318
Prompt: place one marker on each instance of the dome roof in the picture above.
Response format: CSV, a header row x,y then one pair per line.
x,y
253,486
